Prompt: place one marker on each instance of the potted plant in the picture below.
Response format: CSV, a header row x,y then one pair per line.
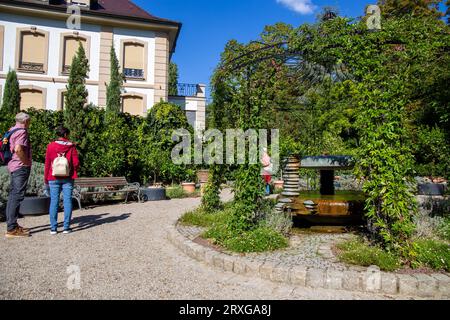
x,y
202,175
188,185
278,184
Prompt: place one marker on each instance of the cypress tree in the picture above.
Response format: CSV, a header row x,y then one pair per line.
x,y
173,79
11,95
76,96
113,91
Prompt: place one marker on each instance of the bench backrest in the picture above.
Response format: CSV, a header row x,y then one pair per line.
x,y
101,182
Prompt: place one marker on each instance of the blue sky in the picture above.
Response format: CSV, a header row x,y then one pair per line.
x,y
209,24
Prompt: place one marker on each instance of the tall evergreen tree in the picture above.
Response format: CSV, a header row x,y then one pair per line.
x,y
11,95
415,8
113,91
173,79
76,96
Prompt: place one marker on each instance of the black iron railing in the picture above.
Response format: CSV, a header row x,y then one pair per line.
x,y
133,73
31,66
187,90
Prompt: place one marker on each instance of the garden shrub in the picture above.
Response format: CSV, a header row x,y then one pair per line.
x,y
175,192
259,239
200,218
35,183
432,253
443,229
121,145
362,254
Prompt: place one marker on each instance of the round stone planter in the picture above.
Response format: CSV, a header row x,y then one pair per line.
x,y
34,206
188,187
431,189
153,194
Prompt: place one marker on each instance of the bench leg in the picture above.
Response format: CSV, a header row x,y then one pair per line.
x,y
126,198
78,201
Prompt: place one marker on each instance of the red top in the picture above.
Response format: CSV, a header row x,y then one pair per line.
x,y
70,152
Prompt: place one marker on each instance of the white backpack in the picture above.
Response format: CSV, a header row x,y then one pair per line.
x,y
60,166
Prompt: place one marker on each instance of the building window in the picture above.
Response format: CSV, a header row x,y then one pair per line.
x,y
133,104
69,48
32,51
134,60
32,97
61,99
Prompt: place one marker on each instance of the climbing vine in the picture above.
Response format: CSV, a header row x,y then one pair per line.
x,y
364,90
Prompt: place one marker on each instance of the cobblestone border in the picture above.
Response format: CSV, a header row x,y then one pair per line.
x,y
367,280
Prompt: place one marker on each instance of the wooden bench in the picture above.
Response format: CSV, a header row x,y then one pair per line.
x,y
108,185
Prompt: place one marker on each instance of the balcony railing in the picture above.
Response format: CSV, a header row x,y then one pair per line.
x,y
133,73
31,66
186,90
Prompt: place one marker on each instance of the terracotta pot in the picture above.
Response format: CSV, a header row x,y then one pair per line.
x,y
188,187
202,176
279,184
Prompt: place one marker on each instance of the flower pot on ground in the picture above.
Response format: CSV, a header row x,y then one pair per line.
x,y
203,175
278,184
154,193
188,187
32,206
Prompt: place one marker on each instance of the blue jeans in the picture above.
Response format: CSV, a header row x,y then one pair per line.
x,y
66,185
18,187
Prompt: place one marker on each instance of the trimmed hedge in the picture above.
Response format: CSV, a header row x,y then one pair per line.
x,y
124,145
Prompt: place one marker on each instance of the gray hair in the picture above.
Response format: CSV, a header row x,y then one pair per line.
x,y
22,117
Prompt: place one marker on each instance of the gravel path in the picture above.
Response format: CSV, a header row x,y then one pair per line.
x,y
123,253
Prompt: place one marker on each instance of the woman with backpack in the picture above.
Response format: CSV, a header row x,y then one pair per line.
x,y
61,166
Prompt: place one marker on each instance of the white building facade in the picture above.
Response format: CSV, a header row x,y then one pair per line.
x,y
38,41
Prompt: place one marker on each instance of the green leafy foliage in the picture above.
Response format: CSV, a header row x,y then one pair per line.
x,y
400,8
432,253
154,137
211,194
259,239
361,253
200,218
444,229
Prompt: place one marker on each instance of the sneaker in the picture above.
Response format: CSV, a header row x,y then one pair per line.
x,y
68,231
23,229
17,233
53,233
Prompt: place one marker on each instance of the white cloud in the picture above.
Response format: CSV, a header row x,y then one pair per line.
x,y
300,6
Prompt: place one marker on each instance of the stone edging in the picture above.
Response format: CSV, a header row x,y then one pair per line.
x,y
367,280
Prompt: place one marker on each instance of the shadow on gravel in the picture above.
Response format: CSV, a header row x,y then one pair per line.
x,y
86,222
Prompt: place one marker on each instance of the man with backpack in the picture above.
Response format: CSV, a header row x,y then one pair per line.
x,y
16,154
61,166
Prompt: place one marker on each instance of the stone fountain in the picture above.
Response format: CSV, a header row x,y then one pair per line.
x,y
327,206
